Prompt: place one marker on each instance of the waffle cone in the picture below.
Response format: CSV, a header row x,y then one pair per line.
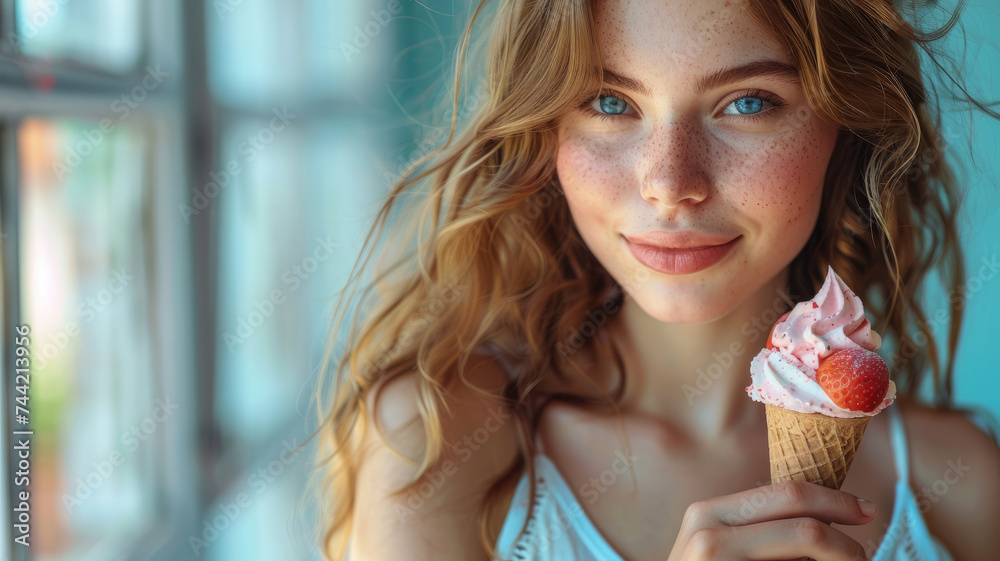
x,y
812,447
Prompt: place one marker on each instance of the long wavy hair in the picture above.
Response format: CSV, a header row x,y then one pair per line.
x,y
479,247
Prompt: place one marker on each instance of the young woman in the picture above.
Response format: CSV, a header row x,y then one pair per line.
x,y
530,380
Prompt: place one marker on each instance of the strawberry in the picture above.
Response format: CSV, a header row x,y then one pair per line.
x,y
771,334
855,379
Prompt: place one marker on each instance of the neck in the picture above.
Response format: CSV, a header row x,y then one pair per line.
x,y
693,376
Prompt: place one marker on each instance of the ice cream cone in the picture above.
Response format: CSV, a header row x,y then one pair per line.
x,y
812,447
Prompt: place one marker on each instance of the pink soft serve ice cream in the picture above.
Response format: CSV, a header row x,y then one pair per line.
x,y
785,376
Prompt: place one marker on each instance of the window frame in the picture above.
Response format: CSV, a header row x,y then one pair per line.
x,y
170,117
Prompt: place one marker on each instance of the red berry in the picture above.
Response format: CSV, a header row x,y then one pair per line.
x,y
771,334
855,379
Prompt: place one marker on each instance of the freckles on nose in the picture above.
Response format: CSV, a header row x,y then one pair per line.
x,y
684,142
673,159
680,159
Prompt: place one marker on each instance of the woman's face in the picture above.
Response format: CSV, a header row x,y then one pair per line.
x,y
674,148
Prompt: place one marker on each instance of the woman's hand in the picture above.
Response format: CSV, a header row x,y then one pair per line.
x,y
786,520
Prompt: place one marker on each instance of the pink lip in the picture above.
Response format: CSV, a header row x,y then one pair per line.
x,y
678,253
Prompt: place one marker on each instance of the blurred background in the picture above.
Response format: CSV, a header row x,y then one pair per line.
x,y
184,187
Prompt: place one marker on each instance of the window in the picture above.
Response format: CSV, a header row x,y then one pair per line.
x,y
87,286
103,34
92,123
184,188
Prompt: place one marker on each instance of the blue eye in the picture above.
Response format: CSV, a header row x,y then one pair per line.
x,y
753,104
746,105
612,105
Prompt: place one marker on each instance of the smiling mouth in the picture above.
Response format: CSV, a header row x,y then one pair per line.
x,y
680,261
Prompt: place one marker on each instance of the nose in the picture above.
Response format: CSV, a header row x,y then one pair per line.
x,y
673,170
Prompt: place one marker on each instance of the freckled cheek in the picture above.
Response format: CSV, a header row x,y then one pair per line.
x,y
593,177
788,182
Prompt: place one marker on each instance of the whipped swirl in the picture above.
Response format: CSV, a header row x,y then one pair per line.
x,y
833,320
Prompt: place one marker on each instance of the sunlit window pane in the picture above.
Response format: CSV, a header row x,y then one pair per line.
x,y
290,219
253,51
269,50
86,293
102,33
262,257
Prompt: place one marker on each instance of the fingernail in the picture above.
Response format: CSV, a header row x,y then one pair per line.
x,y
868,508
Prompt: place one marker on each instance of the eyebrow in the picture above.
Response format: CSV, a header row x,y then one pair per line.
x,y
772,68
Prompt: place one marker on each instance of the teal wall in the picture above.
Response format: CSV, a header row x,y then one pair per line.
x,y
977,374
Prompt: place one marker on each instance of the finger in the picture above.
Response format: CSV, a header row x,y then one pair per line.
x,y
788,499
795,538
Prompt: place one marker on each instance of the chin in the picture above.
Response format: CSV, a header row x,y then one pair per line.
x,y
690,312
696,302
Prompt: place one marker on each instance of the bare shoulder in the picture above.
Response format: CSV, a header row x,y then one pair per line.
x,y
956,479
438,518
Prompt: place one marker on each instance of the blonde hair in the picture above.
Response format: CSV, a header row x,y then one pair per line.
x,y
496,258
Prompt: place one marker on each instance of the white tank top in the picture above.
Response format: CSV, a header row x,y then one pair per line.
x,y
559,529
